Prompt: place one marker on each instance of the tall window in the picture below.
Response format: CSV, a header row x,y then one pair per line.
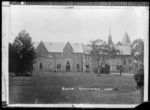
x,y
78,66
40,66
58,66
130,61
124,62
130,68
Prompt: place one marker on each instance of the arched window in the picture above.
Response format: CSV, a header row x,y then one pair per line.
x,y
78,66
40,66
68,63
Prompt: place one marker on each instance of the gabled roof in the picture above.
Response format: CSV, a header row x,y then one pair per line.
x,y
77,47
54,46
59,46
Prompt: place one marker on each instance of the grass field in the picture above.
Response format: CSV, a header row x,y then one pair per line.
x,y
48,88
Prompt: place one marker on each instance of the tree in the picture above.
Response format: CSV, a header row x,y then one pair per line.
x,y
138,50
12,61
102,52
24,52
138,54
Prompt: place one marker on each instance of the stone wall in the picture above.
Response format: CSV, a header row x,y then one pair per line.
x,y
47,64
50,64
125,61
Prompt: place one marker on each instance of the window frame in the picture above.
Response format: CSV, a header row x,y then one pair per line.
x,y
88,66
58,65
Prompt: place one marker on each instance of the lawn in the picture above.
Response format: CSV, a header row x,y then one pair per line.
x,y
55,88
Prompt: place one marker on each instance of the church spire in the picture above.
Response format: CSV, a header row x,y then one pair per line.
x,y
110,38
109,31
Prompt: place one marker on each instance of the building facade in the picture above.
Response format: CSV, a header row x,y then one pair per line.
x,y
75,57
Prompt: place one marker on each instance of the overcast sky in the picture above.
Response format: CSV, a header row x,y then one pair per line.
x,y
79,24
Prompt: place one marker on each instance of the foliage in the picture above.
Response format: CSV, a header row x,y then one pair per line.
x,y
138,50
12,59
23,53
102,52
138,54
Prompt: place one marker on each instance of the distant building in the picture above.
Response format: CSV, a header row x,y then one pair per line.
x,y
64,57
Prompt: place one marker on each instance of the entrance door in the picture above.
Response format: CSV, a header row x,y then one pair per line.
x,y
68,66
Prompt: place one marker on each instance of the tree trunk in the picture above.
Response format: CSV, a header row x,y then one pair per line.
x,y
99,71
98,68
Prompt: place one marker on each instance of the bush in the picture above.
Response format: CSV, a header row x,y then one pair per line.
x,y
139,78
139,75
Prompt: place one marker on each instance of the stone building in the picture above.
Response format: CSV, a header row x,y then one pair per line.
x,y
65,57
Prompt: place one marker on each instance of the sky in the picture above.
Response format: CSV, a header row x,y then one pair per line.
x,y
78,24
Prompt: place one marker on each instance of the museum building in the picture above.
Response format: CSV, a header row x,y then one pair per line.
x,y
75,57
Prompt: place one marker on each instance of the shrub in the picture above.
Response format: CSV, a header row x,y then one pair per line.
x,y
139,75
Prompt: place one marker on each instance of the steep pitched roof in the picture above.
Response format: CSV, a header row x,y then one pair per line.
x,y
54,46
79,48
126,40
59,46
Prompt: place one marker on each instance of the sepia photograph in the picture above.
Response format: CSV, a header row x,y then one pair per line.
x,y
82,56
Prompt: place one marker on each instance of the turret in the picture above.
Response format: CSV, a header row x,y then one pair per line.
x,y
126,40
